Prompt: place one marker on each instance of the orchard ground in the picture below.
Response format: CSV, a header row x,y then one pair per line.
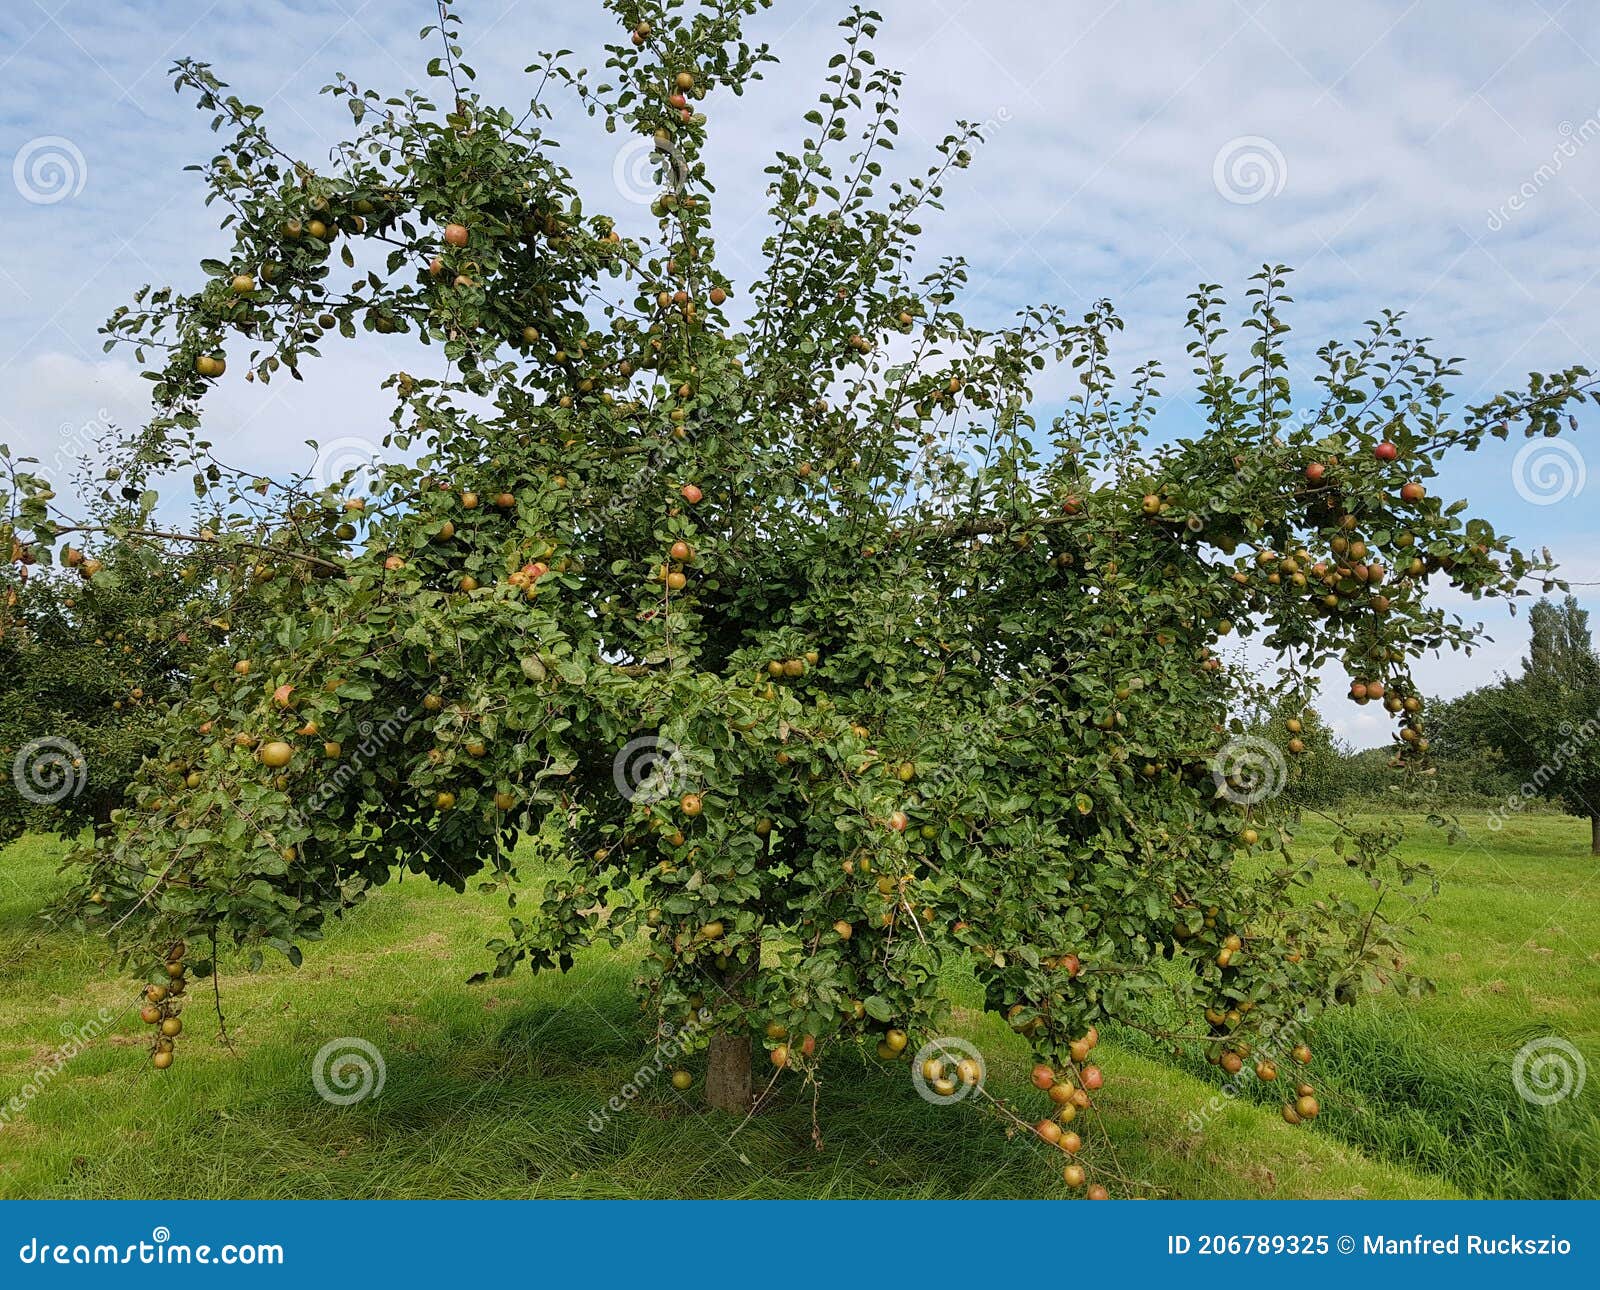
x,y
494,1090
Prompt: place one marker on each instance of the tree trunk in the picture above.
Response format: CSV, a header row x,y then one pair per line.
x,y
728,1074
1594,834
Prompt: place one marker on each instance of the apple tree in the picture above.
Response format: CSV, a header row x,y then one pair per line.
x,y
93,651
774,606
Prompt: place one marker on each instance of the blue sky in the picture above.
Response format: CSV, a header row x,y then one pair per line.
x,y
1441,157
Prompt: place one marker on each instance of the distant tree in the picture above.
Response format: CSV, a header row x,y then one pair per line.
x,y
92,653
1315,766
1542,727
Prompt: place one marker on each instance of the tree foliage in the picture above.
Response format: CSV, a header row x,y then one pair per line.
x,y
1540,729
90,669
921,674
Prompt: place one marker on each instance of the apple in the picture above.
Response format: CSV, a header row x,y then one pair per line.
x,y
691,494
455,234
1413,491
1386,451
276,754
1315,471
1043,1076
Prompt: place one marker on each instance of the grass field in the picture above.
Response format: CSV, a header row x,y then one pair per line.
x,y
490,1090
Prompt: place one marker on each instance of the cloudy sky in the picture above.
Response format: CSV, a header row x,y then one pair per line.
x,y
1441,157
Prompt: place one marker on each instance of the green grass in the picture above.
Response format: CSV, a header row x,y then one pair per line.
x,y
490,1089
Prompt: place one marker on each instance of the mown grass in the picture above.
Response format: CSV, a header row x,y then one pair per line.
x,y
492,1090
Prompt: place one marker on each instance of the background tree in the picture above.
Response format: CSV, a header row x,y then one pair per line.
x,y
92,653
916,676
1313,762
1540,731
